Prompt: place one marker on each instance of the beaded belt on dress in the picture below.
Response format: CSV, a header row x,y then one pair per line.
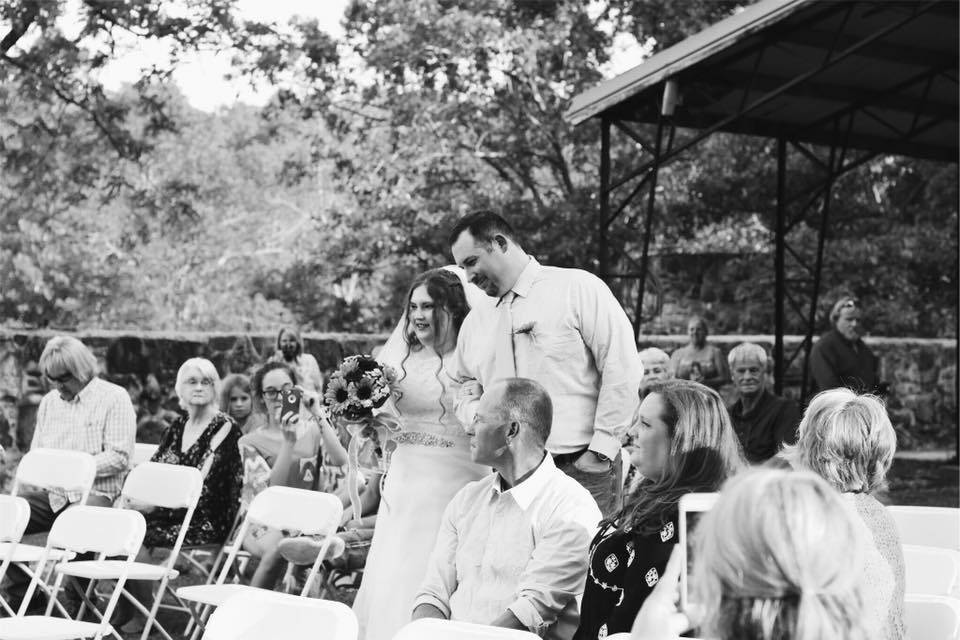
x,y
422,438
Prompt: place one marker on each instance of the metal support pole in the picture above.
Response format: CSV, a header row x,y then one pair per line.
x,y
648,227
817,271
779,274
603,258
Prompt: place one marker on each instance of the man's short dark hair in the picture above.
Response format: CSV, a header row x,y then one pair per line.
x,y
483,226
526,400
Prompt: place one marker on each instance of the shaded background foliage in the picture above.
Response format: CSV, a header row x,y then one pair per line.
x,y
134,210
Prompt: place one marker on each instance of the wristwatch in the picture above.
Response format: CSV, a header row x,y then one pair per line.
x,y
602,457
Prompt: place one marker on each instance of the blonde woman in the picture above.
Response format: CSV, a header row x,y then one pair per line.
x,y
680,441
780,557
847,439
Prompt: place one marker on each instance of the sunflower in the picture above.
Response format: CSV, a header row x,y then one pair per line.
x,y
337,395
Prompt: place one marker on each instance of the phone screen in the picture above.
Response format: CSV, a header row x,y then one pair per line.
x,y
692,509
691,520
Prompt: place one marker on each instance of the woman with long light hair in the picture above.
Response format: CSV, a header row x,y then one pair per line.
x,y
779,557
681,441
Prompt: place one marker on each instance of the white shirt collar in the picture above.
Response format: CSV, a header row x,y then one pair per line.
x,y
526,278
525,492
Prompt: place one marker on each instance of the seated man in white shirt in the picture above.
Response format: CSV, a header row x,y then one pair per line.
x,y
513,548
83,413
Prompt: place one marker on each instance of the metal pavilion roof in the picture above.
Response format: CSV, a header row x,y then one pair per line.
x,y
873,75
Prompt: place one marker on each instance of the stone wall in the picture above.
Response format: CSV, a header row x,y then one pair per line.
x,y
923,401
921,373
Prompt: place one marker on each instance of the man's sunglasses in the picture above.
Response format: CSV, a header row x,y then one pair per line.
x,y
60,379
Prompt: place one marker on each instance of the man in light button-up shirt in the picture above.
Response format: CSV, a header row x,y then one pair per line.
x,y
569,333
81,413
513,548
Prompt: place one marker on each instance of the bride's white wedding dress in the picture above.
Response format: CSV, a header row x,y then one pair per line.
x,y
431,463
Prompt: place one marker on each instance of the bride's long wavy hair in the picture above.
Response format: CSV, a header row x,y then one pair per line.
x,y
446,291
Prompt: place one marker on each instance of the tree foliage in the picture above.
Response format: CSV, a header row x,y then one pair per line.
x,y
131,209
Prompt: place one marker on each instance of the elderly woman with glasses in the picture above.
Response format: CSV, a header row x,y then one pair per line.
x,y
840,358
848,440
205,438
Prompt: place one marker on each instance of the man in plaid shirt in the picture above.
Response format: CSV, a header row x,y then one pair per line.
x,y
84,413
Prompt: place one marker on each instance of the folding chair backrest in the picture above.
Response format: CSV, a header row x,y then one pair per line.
x,y
56,469
114,532
931,617
931,571
14,516
171,486
436,629
309,512
258,615
927,526
142,452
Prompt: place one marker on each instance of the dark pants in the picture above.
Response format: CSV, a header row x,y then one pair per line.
x,y
42,516
606,488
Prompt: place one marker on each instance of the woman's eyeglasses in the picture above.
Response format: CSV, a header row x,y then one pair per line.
x,y
271,394
203,382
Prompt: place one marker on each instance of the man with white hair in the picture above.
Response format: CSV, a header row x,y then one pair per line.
x,y
656,366
764,422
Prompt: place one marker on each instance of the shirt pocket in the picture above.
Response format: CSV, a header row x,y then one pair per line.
x,y
555,351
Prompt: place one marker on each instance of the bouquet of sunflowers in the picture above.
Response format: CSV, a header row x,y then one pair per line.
x,y
355,389
358,386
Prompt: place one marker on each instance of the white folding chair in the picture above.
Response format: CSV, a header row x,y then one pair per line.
x,y
931,571
436,629
49,469
257,614
284,508
14,516
927,526
168,486
931,617
81,529
143,452
56,469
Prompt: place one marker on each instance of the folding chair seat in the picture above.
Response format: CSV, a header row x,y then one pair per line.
x,y
49,469
168,486
284,508
927,526
436,629
931,617
931,571
14,516
81,529
256,614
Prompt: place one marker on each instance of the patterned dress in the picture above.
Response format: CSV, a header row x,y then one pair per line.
x,y
624,568
220,497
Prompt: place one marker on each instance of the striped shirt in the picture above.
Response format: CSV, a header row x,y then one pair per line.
x,y
100,420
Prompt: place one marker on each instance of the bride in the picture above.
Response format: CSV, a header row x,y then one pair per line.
x,y
432,459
